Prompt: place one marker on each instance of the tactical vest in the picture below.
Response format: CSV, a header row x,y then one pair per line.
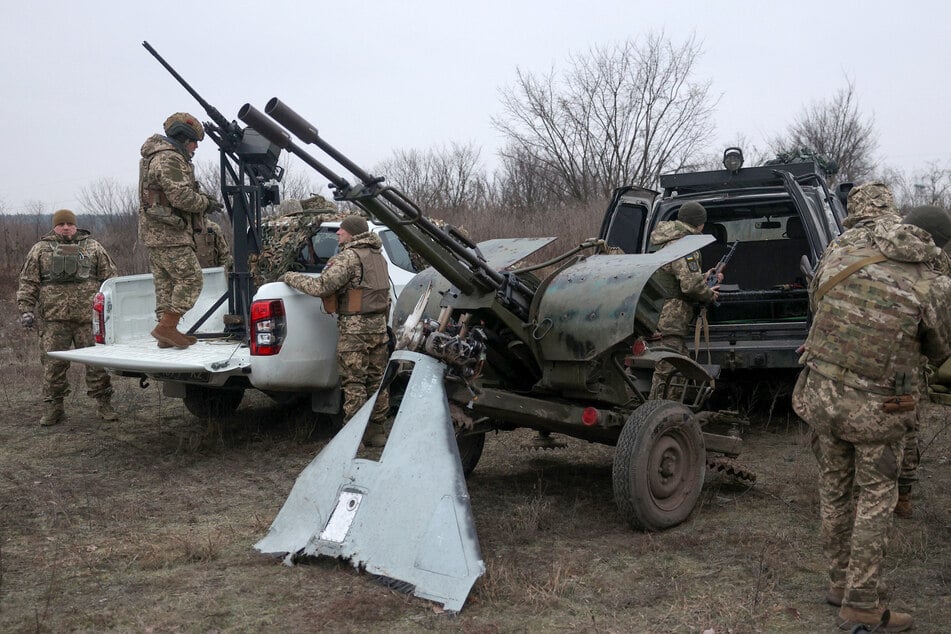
x,y
867,326
153,202
69,263
371,294
206,248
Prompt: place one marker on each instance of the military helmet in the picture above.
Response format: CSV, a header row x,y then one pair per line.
x,y
186,124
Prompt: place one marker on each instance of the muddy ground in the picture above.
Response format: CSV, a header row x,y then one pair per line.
x,y
148,524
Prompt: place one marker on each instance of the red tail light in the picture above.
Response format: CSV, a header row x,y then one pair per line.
x,y
268,327
99,318
590,416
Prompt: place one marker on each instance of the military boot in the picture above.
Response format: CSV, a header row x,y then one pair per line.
x,y
167,332
903,506
880,619
55,414
374,435
106,412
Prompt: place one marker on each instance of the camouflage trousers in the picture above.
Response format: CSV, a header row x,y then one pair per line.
x,y
663,370
362,358
178,279
858,489
64,335
911,457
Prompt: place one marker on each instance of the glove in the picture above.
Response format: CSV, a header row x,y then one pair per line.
x,y
213,206
27,320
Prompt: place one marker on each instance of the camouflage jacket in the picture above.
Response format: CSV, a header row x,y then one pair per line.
x,y
860,234
683,280
343,271
211,246
170,203
871,329
59,284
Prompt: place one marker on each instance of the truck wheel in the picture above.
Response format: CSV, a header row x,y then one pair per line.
x,y
470,450
658,466
205,402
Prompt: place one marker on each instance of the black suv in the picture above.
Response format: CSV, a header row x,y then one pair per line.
x,y
782,216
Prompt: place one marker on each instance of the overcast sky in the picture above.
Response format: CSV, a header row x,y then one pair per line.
x,y
81,94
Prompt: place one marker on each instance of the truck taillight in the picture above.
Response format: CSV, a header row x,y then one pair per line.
x,y
268,327
99,318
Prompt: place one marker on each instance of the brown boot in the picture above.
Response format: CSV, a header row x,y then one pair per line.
x,y
55,414
880,618
167,332
903,506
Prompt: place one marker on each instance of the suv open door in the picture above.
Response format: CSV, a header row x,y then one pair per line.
x,y
625,221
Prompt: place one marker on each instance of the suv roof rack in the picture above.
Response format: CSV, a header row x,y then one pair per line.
x,y
748,177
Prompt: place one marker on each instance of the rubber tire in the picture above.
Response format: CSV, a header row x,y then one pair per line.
x,y
658,432
204,402
470,451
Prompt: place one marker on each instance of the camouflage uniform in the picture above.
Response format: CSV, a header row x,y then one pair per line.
x,y
283,236
685,283
872,211
211,246
864,348
62,298
362,344
171,205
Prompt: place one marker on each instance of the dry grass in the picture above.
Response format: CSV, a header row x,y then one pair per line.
x,y
148,525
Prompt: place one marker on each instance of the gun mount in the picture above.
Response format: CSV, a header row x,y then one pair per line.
x,y
556,347
249,176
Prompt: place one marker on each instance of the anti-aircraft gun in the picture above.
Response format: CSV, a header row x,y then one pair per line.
x,y
558,347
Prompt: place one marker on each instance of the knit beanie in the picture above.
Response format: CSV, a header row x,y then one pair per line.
x,y
64,215
934,220
354,225
692,213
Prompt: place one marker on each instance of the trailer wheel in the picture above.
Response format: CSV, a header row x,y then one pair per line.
x,y
658,466
204,402
470,450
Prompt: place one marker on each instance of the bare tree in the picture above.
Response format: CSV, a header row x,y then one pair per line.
x,y
836,130
441,180
930,185
620,114
111,211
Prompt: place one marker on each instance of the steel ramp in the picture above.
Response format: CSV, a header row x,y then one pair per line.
x,y
406,517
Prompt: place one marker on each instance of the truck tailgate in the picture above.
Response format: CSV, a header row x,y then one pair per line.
x,y
144,356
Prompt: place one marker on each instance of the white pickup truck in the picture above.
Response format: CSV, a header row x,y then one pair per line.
x,y
292,351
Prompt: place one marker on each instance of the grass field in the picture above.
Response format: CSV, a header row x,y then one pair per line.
x,y
148,524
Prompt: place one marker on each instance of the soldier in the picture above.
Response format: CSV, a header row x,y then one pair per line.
x,y
872,209
880,308
58,282
171,209
211,247
355,284
685,284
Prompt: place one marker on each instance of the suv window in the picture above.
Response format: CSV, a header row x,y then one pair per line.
x,y
323,245
397,251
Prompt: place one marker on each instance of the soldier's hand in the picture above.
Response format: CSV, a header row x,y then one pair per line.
x,y
213,206
27,320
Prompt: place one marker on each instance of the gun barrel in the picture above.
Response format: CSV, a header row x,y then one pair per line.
x,y
298,126
212,112
273,133
457,260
